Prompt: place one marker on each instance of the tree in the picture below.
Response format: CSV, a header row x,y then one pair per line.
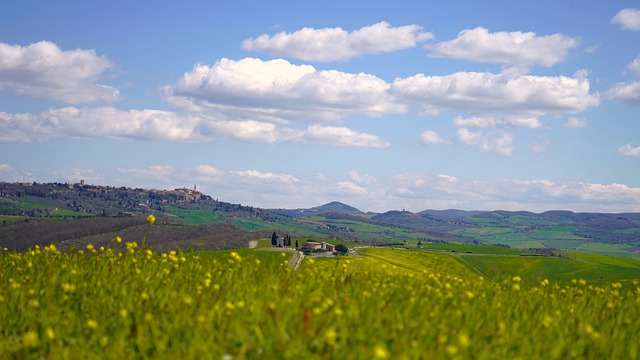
x,y
287,241
296,244
342,249
419,243
274,239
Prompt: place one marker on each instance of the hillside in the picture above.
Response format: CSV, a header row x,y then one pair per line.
x,y
610,234
334,207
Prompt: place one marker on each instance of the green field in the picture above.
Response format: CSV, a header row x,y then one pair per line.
x,y
557,269
246,304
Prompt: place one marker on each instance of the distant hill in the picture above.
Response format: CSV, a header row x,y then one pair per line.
x,y
334,207
40,213
450,214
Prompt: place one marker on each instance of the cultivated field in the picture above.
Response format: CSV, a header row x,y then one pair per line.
x,y
382,304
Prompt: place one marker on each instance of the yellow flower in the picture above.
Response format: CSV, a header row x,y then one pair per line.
x,y
92,324
463,340
381,352
118,239
451,349
30,339
151,219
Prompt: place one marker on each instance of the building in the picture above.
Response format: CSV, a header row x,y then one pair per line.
x,y
312,246
188,194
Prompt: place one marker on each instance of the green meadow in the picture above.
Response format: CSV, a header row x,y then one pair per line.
x,y
125,301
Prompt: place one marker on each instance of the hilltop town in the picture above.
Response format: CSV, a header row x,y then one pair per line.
x,y
82,198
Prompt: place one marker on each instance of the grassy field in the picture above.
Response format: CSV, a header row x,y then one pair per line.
x,y
124,301
563,270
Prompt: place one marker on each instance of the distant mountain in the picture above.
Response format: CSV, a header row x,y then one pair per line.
x,y
334,207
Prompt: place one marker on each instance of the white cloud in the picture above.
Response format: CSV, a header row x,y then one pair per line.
x,y
496,141
103,122
431,137
254,175
575,123
629,150
447,178
43,70
6,168
634,66
485,93
625,92
279,91
514,48
248,130
352,188
209,171
494,121
358,178
336,44
506,194
112,123
342,136
540,147
628,18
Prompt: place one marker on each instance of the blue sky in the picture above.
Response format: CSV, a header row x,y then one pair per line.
x,y
407,105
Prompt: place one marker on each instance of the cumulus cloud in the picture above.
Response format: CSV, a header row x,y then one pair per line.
x,y
352,188
279,91
336,44
634,66
431,137
5,168
342,136
575,123
505,93
625,92
514,48
629,150
495,141
423,191
493,122
112,123
359,178
251,175
103,122
43,70
628,19
540,147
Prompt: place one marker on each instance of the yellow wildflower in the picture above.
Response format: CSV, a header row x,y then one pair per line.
x,y
92,324
451,349
50,334
381,352
30,339
463,340
151,219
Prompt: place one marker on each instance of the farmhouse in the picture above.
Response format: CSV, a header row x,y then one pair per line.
x,y
318,246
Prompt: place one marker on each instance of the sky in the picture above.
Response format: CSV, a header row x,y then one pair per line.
x,y
510,105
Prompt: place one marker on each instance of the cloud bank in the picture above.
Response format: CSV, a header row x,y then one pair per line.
x,y
336,44
512,48
43,70
628,19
